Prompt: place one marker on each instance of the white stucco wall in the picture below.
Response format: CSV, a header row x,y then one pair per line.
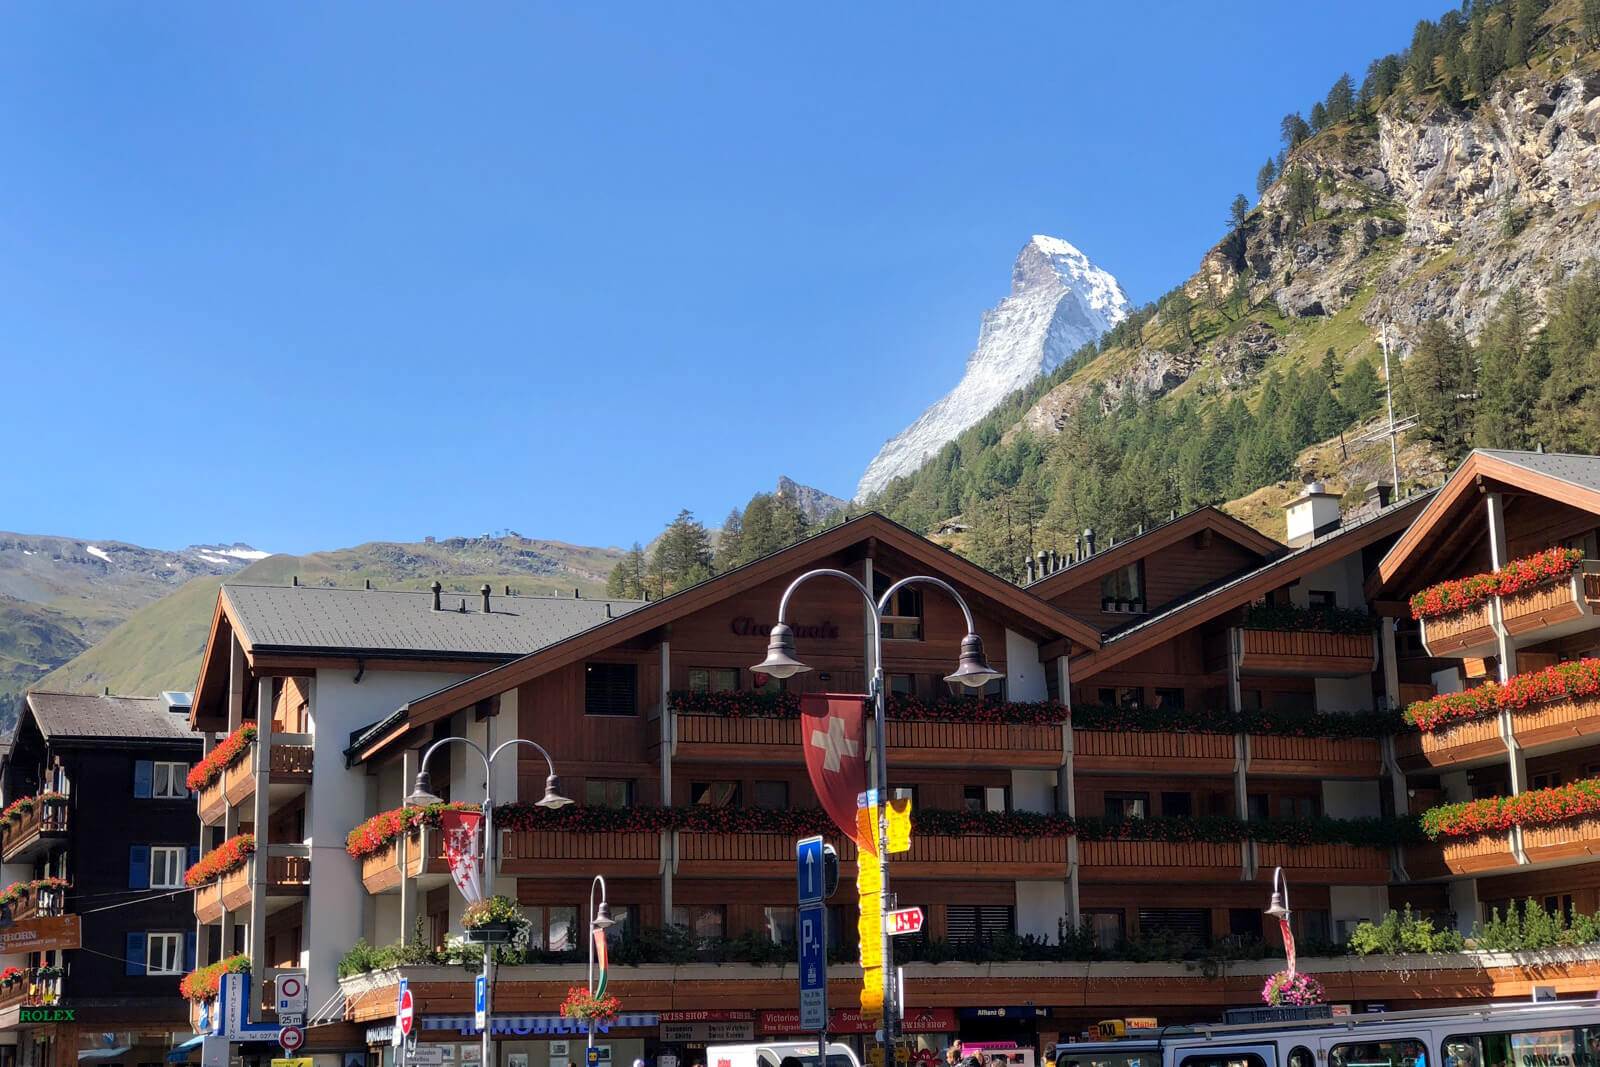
x,y
1351,800
1033,790
1343,577
1025,678
1464,902
1353,903
1040,906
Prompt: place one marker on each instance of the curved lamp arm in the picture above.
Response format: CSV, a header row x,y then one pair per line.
x,y
422,766
502,746
866,594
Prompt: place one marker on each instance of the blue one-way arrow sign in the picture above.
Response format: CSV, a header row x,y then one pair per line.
x,y
808,869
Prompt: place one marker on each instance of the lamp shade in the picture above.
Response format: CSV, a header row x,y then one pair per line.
x,y
1276,909
552,794
972,670
422,793
602,917
780,661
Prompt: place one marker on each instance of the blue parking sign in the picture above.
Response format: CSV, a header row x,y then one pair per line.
x,y
811,930
808,869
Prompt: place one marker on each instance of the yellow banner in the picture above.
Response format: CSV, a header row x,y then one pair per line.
x,y
900,825
872,991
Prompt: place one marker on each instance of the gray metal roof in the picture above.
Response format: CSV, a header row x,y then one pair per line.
x,y
373,621
1574,469
67,715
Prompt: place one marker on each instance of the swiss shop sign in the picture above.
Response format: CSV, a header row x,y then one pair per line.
x,y
706,1027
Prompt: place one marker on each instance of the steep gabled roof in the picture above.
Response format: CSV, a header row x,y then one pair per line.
x,y
1028,611
1201,519
74,716
1246,586
1571,479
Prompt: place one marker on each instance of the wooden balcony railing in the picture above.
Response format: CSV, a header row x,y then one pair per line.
x,y
982,858
286,874
40,903
1307,652
1562,842
746,855
291,765
1553,604
380,871
555,853
718,737
1332,864
34,831
212,800
1153,753
208,906
1464,742
1323,757
1159,861
1480,854
1557,721
1466,632
30,990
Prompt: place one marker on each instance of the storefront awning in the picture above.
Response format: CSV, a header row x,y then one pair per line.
x,y
539,1023
180,1053
105,1053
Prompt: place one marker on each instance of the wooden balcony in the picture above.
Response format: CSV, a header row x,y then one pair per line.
x,y
30,991
747,856
1324,864
1107,752
1563,842
1468,632
556,854
768,740
213,800
380,871
1312,653
1481,854
40,903
208,906
1321,757
1559,722
35,832
1470,741
982,857
291,769
1556,608
287,876
1160,861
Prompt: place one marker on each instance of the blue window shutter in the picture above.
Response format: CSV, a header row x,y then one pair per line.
x,y
139,868
194,852
188,950
144,773
135,954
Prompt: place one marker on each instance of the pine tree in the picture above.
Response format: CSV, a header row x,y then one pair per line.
x,y
1330,368
1300,200
1269,171
1319,117
1435,373
1330,417
1519,41
1361,392
1341,103
1424,49
1237,212
627,579
1294,130
682,556
1567,413
1510,367
1589,19
730,542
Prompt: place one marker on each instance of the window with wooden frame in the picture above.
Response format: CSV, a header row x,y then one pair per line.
x,y
1122,590
902,615
713,679
611,689
715,794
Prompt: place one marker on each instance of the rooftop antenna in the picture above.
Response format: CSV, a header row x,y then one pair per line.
x,y
1395,428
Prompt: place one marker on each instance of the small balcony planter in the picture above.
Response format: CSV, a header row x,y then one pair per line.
x,y
495,921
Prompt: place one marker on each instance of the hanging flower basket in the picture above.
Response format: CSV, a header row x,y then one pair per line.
x,y
586,1007
1297,990
493,921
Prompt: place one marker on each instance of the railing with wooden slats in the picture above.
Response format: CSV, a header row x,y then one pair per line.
x,y
984,849
1343,864
1318,649
240,779
1124,861
380,871
44,819
1463,742
288,872
1556,720
555,852
1467,855
728,730
1545,605
1456,631
1190,753
745,855
213,799
1562,841
977,744
235,887
1355,757
40,903
208,906
292,761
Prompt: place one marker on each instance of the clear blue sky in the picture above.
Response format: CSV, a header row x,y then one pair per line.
x,y
315,274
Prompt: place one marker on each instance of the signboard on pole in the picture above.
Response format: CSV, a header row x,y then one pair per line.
x,y
291,990
290,1038
426,1056
903,921
480,1001
404,1014
808,869
43,935
813,930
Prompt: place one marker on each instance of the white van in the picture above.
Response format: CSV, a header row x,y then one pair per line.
x,y
779,1054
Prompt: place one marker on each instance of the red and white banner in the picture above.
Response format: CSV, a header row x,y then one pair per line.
x,y
833,734
460,830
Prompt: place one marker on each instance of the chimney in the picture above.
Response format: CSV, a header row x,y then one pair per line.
x,y
1055,561
369,583
1379,494
608,609
1043,563
576,594
1311,514
508,590
1088,542
294,579
1028,570
484,589
435,586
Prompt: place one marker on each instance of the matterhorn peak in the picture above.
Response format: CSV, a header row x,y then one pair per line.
x,y
1059,302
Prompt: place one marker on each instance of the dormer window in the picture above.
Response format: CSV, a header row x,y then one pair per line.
x,y
1122,590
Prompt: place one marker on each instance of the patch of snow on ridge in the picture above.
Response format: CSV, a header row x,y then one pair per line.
x,y
1059,302
96,550
214,559
244,553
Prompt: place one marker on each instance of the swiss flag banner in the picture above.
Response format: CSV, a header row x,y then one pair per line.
x,y
833,734
460,830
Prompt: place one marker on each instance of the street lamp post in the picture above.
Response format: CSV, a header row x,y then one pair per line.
x,y
1279,909
422,795
600,921
971,671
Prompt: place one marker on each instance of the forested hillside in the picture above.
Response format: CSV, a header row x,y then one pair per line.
x,y
1454,194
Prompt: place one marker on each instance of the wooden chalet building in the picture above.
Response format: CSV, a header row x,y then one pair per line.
x,y
98,829
1180,713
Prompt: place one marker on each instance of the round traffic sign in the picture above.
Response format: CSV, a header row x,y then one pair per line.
x,y
289,987
291,1038
407,1016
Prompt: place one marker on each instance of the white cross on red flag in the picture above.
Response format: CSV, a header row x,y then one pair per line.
x,y
460,830
833,734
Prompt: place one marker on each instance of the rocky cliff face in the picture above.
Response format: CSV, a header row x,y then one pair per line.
x,y
814,504
1059,302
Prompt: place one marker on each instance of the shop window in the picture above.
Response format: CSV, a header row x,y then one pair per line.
x,y
1107,927
1123,589
704,922
779,925
608,792
1179,804
554,928
903,684
1127,805
715,794
902,615
774,796
973,922
1398,1052
1170,699
611,689
713,679
986,798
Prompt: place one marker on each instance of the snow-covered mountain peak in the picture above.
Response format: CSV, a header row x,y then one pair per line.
x,y
1059,302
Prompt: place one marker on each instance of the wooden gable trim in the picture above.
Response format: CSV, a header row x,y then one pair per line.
x,y
1271,576
973,579
1202,521
1435,518
212,674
